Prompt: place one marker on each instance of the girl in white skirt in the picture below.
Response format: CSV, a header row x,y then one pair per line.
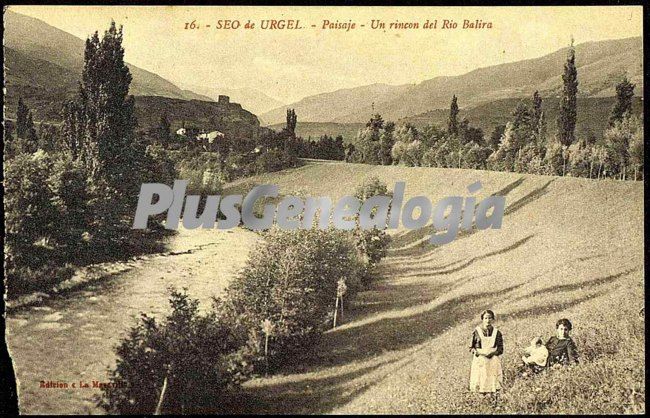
x,y
486,375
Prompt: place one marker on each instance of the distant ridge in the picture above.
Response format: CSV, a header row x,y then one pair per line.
x,y
600,66
37,41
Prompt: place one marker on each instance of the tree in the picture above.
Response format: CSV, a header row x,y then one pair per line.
x,y
538,122
468,133
30,212
31,136
618,141
100,127
452,124
408,148
537,108
196,355
375,123
22,115
505,156
474,155
495,137
623,105
554,160
47,138
73,129
637,151
290,279
292,121
163,131
99,131
566,121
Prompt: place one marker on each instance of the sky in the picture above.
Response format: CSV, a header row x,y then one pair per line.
x,y
291,64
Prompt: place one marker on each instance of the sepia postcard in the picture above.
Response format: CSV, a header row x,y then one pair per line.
x,y
229,209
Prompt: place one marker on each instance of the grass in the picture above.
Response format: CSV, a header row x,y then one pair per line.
x,y
568,247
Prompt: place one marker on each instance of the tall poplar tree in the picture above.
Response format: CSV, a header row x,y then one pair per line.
x,y
538,122
537,108
566,121
292,121
163,132
452,124
99,132
22,115
100,127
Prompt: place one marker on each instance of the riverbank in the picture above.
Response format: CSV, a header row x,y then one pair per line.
x,y
72,338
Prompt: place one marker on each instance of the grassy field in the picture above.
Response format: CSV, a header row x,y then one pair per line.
x,y
568,247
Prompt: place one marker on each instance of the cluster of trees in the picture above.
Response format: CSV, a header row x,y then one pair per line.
x,y
522,145
226,157
71,190
290,291
326,148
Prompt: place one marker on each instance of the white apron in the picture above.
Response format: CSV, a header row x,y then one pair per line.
x,y
486,374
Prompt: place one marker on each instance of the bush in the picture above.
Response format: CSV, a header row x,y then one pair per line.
x,y
373,243
203,173
68,181
31,216
290,280
159,166
274,160
197,354
372,187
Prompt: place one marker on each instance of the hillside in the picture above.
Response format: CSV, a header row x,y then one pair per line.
x,y
568,247
228,118
330,107
600,66
51,47
43,65
252,99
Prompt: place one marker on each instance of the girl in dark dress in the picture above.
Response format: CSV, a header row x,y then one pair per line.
x,y
561,348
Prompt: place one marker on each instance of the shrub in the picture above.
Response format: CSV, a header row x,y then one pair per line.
x,y
68,180
159,166
203,173
274,160
31,217
290,280
372,243
197,354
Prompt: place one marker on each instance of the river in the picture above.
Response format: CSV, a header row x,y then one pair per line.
x,y
72,338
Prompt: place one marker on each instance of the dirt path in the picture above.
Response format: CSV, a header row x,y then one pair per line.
x,y
71,339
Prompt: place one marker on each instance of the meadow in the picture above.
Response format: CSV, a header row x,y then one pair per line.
x,y
568,247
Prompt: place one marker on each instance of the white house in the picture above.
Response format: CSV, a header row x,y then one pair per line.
x,y
210,136
181,131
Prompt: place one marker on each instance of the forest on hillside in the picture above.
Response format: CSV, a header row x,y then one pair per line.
x,y
528,143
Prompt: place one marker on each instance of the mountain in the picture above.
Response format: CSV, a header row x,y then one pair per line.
x,y
43,65
600,66
337,105
251,99
35,43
